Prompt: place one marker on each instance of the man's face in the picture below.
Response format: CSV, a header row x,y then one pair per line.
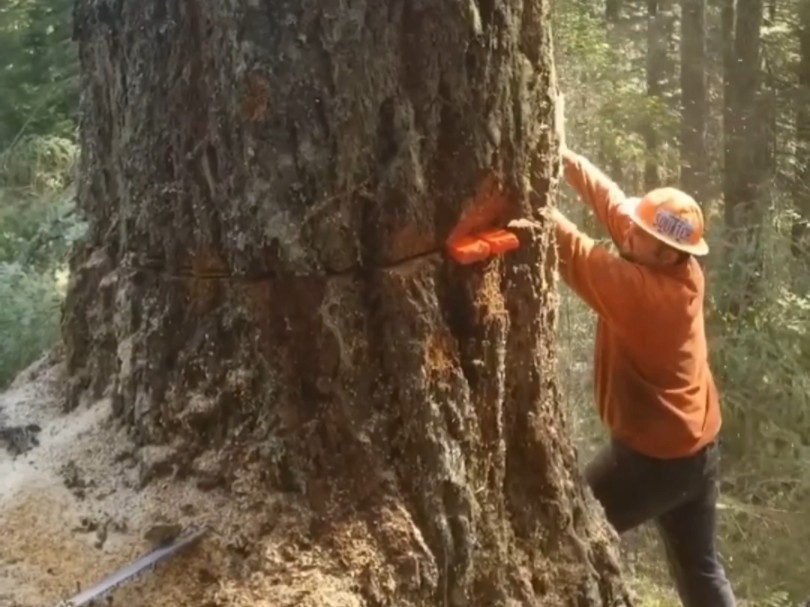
x,y
641,248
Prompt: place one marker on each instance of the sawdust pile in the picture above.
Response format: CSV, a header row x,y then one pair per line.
x,y
72,511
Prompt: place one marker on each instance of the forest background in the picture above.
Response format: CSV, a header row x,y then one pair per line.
x,y
710,96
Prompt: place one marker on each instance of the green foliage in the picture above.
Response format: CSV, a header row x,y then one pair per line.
x,y
36,206
37,228
37,164
761,358
38,69
602,76
29,317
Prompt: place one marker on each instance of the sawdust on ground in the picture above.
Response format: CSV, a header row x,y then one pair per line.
x,y
71,513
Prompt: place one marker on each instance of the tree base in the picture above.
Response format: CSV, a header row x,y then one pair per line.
x,y
410,412
265,296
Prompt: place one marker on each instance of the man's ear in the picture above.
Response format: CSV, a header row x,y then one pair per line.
x,y
673,255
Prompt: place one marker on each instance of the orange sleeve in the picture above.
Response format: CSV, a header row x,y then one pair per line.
x,y
610,285
599,192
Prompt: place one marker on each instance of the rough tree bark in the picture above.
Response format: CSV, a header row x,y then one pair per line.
x,y
269,185
801,186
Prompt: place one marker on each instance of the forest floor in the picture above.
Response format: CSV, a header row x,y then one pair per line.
x,y
70,508
73,509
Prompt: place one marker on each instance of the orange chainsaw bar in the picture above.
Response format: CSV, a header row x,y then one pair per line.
x,y
471,249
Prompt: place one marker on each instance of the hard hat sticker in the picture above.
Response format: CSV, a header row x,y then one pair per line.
x,y
673,226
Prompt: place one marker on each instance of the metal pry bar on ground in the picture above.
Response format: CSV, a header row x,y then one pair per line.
x,y
151,560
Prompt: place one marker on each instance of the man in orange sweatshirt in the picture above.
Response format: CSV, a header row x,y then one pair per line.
x,y
653,385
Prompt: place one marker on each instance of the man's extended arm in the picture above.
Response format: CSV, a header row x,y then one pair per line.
x,y
608,284
598,191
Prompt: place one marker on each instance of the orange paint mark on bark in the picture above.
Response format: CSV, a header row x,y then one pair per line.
x,y
254,105
201,265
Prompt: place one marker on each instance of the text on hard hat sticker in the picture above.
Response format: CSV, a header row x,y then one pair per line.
x,y
673,226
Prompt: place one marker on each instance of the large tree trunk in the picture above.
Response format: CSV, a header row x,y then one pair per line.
x,y
269,185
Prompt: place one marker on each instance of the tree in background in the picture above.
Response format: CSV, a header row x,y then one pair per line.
x,y
747,138
801,192
268,190
694,157
659,27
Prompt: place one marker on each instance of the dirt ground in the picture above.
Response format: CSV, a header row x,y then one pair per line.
x,y
73,510
70,513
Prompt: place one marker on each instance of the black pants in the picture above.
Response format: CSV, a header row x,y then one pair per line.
x,y
680,496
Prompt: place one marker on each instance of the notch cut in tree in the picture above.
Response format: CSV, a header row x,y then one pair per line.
x,y
263,287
